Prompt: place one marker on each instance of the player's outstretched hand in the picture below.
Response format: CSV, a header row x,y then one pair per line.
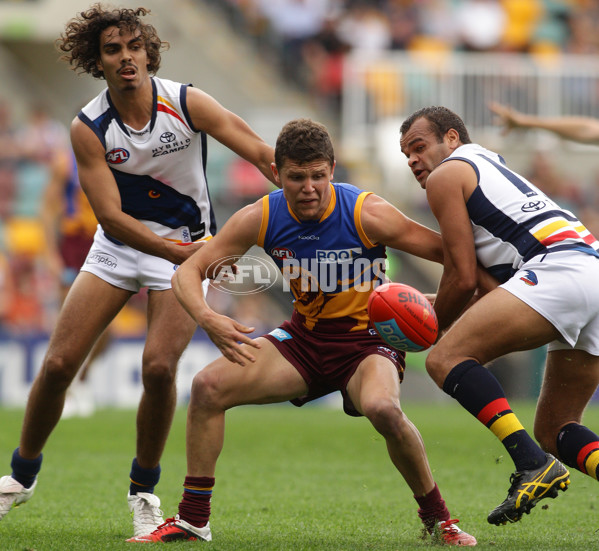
x,y
230,336
505,116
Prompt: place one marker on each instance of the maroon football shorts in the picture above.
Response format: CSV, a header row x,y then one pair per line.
x,y
327,360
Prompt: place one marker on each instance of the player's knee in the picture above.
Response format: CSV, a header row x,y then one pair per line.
x,y
384,414
57,372
205,390
436,367
157,375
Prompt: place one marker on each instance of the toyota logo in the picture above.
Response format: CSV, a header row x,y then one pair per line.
x,y
533,206
167,137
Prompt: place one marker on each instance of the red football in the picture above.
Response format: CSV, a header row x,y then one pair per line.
x,y
403,317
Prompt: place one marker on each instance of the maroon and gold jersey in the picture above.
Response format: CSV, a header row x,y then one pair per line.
x,y
329,265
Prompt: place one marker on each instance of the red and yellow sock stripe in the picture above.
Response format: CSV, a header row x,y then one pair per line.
x,y
499,418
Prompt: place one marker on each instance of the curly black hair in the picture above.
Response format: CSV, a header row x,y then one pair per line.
x,y
80,41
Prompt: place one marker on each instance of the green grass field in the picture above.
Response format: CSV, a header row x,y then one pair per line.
x,y
292,479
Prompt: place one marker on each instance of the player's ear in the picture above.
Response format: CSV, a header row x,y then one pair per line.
x,y
452,137
275,173
333,170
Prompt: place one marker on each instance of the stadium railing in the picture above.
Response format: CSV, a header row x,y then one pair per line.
x,y
392,85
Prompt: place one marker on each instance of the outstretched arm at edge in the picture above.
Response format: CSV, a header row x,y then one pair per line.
x,y
578,129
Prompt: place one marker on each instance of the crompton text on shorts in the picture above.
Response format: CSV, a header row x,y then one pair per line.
x,y
127,268
563,287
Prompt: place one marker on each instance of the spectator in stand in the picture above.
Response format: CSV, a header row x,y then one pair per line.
x,y
365,28
295,22
521,23
24,312
40,141
582,38
31,149
43,136
480,25
323,56
9,157
403,24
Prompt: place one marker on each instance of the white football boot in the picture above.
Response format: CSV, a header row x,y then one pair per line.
x,y
12,494
146,513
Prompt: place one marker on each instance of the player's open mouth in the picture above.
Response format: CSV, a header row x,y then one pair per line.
x,y
127,72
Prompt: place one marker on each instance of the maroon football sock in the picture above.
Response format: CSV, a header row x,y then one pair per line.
x,y
432,509
195,505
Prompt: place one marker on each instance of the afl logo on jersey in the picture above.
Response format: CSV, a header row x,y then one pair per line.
x,y
167,137
153,194
117,156
282,253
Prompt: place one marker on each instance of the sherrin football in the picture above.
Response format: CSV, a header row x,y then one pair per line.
x,y
403,317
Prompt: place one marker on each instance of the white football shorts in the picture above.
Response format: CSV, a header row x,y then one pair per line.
x,y
564,288
127,268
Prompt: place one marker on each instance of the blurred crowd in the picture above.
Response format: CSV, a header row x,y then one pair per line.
x,y
27,150
312,37
308,39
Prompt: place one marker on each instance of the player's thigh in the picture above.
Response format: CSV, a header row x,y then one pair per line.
x,y
170,328
497,324
570,380
375,381
89,307
269,379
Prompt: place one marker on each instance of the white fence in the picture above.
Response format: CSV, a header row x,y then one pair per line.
x,y
395,84
115,377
